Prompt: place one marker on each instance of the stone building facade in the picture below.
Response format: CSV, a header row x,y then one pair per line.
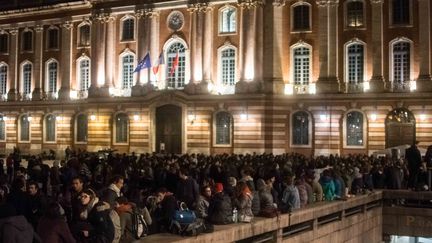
x,y
311,76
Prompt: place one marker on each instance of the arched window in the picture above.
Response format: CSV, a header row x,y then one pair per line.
x,y
355,63
401,62
354,129
83,73
24,128
223,126
301,17
300,128
121,128
401,11
53,38
4,42
127,71
81,124
84,35
52,70
50,128
176,66
227,18
128,26
354,13
3,78
2,128
301,60
26,79
27,40
228,66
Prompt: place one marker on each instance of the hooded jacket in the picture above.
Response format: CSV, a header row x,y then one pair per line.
x,y
16,229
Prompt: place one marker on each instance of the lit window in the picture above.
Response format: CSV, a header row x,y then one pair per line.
x,y
354,12
401,11
401,62
50,128
84,74
301,17
24,128
301,65
354,129
3,79
53,36
300,128
81,128
4,39
2,128
228,65
127,72
223,128
176,73
128,29
27,42
355,67
27,78
84,35
52,77
227,20
121,128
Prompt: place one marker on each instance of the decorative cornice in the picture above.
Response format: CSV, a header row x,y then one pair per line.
x,y
38,28
67,25
279,3
249,4
146,12
378,1
102,16
13,31
199,7
325,3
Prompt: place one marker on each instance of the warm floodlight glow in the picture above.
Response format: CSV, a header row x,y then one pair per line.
x,y
422,117
312,88
29,118
191,117
59,118
413,85
373,116
323,117
73,94
243,116
92,117
366,86
210,87
136,117
289,89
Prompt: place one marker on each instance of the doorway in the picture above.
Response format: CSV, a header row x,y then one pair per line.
x,y
169,129
400,128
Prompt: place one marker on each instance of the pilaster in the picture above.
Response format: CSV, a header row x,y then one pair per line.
x,y
37,72
424,80
13,65
377,82
66,61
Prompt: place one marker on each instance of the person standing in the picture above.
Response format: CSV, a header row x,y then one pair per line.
x,y
413,156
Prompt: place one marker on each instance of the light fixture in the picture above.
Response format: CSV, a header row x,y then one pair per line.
x,y
59,118
289,89
136,117
366,86
92,117
373,116
191,117
413,85
323,117
422,117
243,116
312,88
29,118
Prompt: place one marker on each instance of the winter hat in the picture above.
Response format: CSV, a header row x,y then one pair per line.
x,y
218,187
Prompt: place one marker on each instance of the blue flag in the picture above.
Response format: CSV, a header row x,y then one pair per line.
x,y
143,64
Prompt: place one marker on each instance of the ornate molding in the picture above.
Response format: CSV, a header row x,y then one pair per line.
x,y
377,1
279,3
38,28
249,4
13,31
326,3
199,7
67,25
147,13
102,16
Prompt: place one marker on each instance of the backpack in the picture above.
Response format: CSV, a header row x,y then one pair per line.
x,y
139,226
193,229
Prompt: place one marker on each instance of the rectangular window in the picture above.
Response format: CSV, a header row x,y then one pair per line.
x,y
128,29
228,67
2,129
27,42
355,14
401,12
52,77
301,66
27,72
84,75
4,43
128,72
355,64
301,18
53,39
84,35
3,79
401,62
24,129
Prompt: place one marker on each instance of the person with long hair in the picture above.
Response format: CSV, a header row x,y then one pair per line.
x,y
243,202
52,227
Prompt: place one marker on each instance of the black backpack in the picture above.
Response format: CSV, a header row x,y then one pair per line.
x,y
139,226
192,229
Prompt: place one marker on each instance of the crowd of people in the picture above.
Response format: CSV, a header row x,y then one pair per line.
x,y
92,198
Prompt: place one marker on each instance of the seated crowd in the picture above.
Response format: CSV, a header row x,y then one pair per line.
x,y
91,199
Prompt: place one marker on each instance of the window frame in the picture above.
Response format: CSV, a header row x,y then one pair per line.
x,y
19,130
22,88
293,6
310,129
121,66
76,125
2,120
231,130
48,47
364,131
227,89
391,60
79,44
346,25
47,76
23,50
3,64
292,57
45,129
354,41
221,20
410,12
122,23
78,72
2,32
184,55
115,142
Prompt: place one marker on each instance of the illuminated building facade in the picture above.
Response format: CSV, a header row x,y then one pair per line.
x,y
312,76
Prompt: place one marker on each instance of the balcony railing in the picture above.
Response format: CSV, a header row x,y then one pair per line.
x,y
355,87
404,86
301,89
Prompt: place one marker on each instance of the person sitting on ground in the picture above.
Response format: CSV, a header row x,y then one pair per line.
x,y
291,197
15,228
243,202
52,227
167,204
113,191
328,186
203,202
126,210
220,207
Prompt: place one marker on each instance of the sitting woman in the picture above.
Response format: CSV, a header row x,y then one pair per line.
x,y
203,202
52,227
243,202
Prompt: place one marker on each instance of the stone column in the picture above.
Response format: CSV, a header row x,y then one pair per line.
x,y
424,80
142,32
13,65
66,61
259,42
154,40
110,36
97,53
327,36
376,84
208,45
37,64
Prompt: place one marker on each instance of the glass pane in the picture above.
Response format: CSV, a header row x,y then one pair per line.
x,y
4,43
84,74
27,72
52,77
301,17
85,35
223,128
228,66
82,126
24,128
2,129
50,124
128,68
300,128
121,128
401,12
176,76
301,66
355,63
3,79
354,128
355,14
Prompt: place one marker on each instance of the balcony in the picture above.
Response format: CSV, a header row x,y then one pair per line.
x,y
404,86
355,87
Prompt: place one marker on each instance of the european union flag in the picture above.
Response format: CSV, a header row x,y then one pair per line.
x,y
143,64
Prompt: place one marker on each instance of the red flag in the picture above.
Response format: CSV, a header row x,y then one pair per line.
x,y
175,64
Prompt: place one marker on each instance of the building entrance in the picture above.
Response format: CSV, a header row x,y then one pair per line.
x,y
400,127
169,129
